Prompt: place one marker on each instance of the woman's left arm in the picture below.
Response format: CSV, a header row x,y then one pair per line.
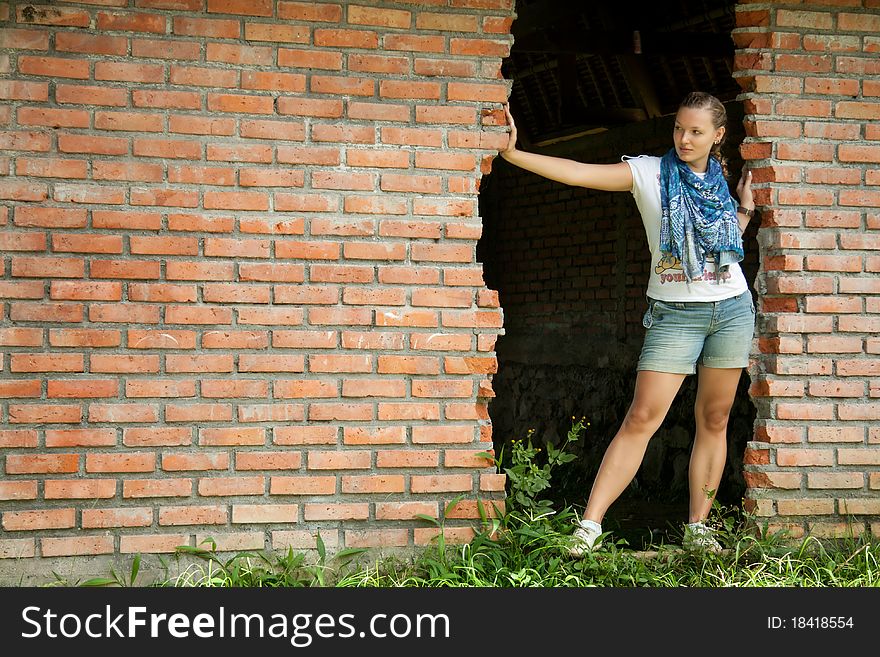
x,y
746,202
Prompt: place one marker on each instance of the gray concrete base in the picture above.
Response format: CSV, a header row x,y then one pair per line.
x,y
160,569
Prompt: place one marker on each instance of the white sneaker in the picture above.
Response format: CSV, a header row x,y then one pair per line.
x,y
699,538
585,538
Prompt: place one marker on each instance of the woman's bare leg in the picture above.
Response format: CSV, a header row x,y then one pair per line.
x,y
652,398
716,390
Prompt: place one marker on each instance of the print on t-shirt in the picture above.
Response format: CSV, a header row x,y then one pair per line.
x,y
668,270
666,279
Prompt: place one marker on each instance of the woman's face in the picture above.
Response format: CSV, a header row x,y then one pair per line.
x,y
694,136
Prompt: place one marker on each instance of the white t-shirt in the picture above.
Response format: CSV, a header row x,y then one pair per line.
x,y
667,281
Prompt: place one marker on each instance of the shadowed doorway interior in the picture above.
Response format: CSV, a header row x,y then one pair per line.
x,y
591,82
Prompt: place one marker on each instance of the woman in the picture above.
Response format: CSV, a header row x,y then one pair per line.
x,y
700,316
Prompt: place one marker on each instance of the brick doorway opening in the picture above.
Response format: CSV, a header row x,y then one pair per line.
x,y
571,265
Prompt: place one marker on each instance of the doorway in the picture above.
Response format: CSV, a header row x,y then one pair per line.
x,y
593,82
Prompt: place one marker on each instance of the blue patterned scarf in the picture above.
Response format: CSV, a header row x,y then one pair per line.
x,y
699,217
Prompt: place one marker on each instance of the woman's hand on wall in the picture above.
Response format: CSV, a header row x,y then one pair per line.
x,y
744,190
746,200
511,142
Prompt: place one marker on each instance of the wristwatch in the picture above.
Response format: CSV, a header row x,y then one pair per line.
x,y
747,211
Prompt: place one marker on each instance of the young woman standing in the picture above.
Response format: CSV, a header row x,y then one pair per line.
x,y
700,317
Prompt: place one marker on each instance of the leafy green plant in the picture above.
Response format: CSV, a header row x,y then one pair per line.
x,y
529,475
258,569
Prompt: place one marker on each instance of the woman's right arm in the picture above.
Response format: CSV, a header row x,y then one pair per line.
x,y
607,177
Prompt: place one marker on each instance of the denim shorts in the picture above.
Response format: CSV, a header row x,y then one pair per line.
x,y
681,335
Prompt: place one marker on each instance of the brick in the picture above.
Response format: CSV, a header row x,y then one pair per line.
x,y
833,263
80,437
119,517
805,507
336,511
154,437
835,304
238,54
441,483
164,49
129,72
459,458
80,546
372,340
139,488
24,141
408,365
836,434
835,480
857,367
780,480
152,544
859,506
18,490
804,457
300,389
837,389
25,39
307,59
277,33
231,436
329,460
858,456
86,489
45,413
17,548
303,485
837,530
404,411
128,462
268,461
227,486
192,515
405,510
206,27
233,542
84,338
373,388
451,535
309,435
472,509
131,22
264,513
858,411
303,540
377,538
828,344
373,435
373,484
37,520
41,463
21,337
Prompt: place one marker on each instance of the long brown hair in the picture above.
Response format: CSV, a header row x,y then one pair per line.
x,y
706,101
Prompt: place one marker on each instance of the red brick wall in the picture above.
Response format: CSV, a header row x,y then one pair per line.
x,y
810,74
240,295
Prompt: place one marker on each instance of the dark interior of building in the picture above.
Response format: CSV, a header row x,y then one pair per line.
x,y
593,81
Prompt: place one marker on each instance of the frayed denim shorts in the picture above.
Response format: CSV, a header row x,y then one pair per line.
x,y
681,335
